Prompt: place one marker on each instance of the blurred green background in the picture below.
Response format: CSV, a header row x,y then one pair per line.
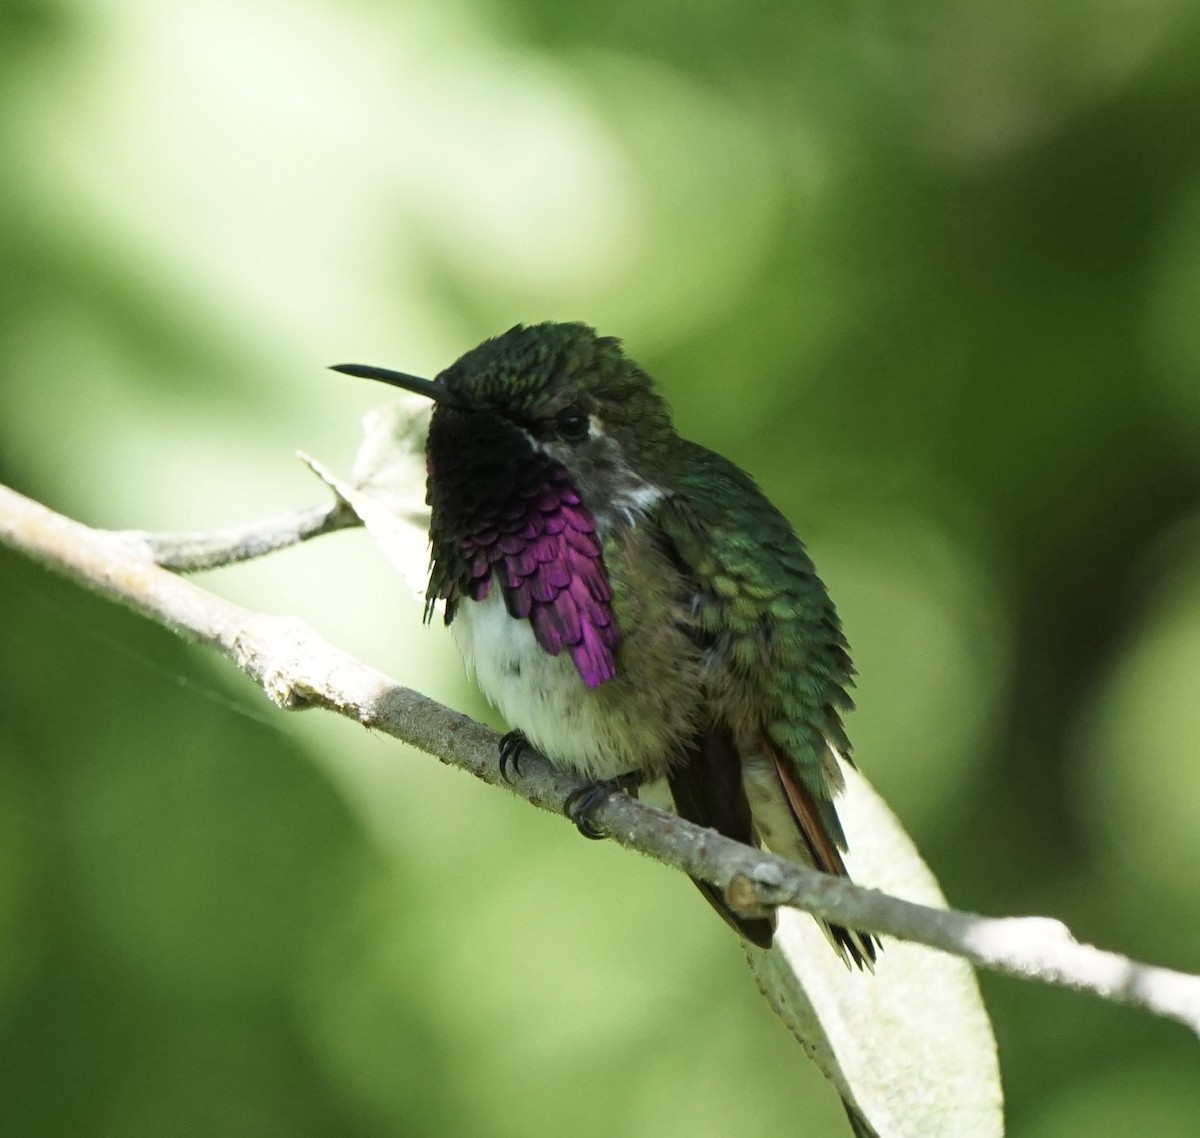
x,y
931,272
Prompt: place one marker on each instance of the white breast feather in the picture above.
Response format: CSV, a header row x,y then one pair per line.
x,y
540,694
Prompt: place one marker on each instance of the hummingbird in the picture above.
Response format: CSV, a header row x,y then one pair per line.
x,y
631,602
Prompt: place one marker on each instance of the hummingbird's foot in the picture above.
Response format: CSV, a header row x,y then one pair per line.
x,y
580,803
512,746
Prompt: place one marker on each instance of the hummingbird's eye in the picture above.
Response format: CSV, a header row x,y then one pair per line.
x,y
572,425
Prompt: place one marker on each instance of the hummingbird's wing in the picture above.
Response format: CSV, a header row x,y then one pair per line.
x,y
776,665
708,790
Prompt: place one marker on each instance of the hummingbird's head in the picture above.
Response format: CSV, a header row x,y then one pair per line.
x,y
568,393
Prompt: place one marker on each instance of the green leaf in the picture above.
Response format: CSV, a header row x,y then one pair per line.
x,y
909,1048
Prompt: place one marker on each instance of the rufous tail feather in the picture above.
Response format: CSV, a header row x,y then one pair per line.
x,y
854,947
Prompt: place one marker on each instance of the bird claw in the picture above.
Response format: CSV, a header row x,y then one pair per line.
x,y
580,803
512,746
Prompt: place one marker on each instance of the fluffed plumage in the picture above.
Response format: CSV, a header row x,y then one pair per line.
x,y
631,601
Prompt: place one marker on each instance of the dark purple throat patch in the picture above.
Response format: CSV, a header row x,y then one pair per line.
x,y
504,512
551,570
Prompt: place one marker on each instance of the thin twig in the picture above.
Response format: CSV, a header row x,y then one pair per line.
x,y
296,668
191,552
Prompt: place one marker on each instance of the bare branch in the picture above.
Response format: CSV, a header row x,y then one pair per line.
x,y
191,552
296,668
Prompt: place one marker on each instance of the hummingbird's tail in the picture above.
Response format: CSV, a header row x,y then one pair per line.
x,y
790,821
760,800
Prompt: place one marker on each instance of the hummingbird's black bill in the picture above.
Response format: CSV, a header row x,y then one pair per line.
x,y
426,387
